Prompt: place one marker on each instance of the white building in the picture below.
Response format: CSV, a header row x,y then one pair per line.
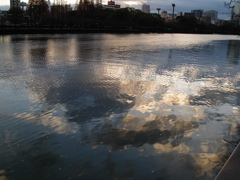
x,y
146,8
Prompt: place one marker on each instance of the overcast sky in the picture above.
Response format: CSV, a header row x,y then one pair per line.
x,y
181,5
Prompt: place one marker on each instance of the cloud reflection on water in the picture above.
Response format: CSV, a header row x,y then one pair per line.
x,y
118,93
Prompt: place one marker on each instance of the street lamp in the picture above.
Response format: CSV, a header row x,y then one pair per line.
x,y
158,9
173,6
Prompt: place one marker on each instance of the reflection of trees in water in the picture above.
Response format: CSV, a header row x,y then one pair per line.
x,y
112,169
38,55
40,160
43,162
233,53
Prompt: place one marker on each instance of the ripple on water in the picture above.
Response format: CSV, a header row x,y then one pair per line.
x,y
119,106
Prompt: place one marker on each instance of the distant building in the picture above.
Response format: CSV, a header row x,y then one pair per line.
x,y
164,14
212,13
146,8
206,19
14,3
111,5
23,5
189,15
179,14
198,13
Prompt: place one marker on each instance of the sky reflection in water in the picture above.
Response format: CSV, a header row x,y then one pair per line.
x,y
142,106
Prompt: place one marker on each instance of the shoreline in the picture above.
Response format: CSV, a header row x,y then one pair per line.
x,y
49,30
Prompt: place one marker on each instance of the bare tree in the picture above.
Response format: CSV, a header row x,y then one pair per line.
x,y
230,6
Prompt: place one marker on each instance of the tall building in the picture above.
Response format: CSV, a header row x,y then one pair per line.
x,y
198,13
189,15
212,13
146,8
14,3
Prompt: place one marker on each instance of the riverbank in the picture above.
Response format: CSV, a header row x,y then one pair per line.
x,y
50,30
47,30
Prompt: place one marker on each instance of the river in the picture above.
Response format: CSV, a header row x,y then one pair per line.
x,y
118,106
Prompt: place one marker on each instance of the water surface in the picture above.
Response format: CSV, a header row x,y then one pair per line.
x,y
109,106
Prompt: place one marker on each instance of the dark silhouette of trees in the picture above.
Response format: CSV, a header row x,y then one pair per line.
x,y
15,15
129,18
38,11
94,16
88,15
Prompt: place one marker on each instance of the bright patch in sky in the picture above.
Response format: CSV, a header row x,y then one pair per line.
x,y
72,1
132,3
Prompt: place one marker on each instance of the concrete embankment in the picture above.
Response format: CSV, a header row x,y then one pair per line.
x,y
231,170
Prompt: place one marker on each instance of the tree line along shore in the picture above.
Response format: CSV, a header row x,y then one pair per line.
x,y
91,19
